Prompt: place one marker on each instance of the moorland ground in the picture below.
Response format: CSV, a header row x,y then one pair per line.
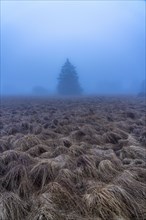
x,y
73,159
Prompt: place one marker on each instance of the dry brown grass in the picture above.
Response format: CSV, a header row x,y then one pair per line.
x,y
133,152
111,202
37,150
73,159
26,142
43,208
64,200
9,156
43,172
131,184
76,150
59,150
12,207
13,177
107,170
88,165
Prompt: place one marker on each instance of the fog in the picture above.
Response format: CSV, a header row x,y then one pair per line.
x,y
105,40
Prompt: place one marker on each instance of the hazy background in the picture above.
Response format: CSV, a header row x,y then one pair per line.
x,y
105,40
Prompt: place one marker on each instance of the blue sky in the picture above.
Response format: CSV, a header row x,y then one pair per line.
x,y
105,40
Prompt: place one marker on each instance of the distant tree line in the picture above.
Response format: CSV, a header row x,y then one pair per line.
x,y
69,85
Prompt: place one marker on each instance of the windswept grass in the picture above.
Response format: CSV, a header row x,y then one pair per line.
x,y
12,207
73,159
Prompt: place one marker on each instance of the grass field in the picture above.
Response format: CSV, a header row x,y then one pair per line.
x,y
73,159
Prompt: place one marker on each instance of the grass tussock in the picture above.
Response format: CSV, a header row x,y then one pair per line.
x,y
73,159
107,170
13,177
62,197
37,150
88,165
4,145
26,142
59,150
42,173
133,152
111,202
26,159
131,184
43,208
67,179
9,156
12,207
25,189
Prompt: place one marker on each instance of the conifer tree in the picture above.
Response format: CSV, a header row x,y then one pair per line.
x,y
68,82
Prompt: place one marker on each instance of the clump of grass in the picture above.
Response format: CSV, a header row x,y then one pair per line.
x,y
138,163
104,153
61,197
25,189
4,145
130,183
43,208
76,150
47,135
59,150
26,142
111,202
37,150
78,135
12,207
112,137
65,161
123,134
133,152
107,170
25,159
2,168
67,179
66,142
13,177
127,161
43,172
87,162
9,156
46,155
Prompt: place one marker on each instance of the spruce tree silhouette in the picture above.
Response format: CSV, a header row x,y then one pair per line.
x,y
68,83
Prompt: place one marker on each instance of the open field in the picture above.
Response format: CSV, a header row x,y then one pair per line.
x,y
73,159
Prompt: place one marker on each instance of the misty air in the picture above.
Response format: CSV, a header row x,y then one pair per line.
x,y
73,110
